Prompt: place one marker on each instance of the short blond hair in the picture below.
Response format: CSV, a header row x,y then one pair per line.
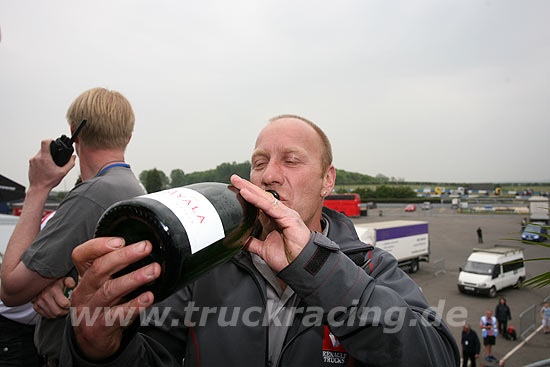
x,y
110,118
326,155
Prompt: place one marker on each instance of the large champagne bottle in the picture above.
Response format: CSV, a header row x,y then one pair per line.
x,y
192,229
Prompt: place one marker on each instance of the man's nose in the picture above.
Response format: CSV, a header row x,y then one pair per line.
x,y
272,174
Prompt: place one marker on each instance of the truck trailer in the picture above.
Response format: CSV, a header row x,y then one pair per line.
x,y
408,241
539,209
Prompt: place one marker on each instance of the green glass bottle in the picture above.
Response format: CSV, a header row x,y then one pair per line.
x,y
192,229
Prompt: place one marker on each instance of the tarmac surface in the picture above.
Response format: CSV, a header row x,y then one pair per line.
x,y
452,238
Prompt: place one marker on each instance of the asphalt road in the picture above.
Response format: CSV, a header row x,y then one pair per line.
x,y
452,238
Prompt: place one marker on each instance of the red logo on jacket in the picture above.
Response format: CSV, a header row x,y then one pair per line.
x,y
331,343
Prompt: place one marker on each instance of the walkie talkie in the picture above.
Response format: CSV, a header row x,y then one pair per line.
x,y
62,147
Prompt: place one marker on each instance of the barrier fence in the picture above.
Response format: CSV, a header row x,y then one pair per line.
x,y
527,321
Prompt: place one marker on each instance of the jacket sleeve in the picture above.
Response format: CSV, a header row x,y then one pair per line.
x,y
160,339
376,311
478,344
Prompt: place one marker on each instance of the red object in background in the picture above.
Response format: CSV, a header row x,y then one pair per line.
x,y
347,204
17,211
410,208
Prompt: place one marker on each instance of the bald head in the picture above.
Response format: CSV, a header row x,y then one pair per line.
x,y
326,148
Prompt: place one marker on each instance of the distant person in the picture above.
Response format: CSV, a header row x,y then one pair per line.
x,y
523,224
502,314
545,314
489,331
479,235
470,346
37,262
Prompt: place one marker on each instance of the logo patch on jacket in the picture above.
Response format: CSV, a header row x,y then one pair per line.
x,y
334,353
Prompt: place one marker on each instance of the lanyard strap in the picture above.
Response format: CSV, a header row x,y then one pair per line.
x,y
111,166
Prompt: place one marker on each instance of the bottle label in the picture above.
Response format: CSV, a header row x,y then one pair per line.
x,y
195,212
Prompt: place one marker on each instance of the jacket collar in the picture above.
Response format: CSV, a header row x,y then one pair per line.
x,y
342,231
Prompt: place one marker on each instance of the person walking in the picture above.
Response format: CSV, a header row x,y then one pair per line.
x,y
503,314
545,314
489,332
470,346
479,235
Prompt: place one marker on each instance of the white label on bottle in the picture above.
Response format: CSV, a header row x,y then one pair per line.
x,y
195,212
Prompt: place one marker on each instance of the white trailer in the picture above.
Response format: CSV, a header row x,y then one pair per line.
x,y
408,241
539,207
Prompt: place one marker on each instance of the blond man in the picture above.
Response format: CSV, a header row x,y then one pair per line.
x,y
38,261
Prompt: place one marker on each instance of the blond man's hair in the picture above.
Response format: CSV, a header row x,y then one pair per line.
x,y
326,154
110,118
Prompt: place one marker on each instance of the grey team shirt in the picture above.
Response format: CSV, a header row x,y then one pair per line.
x,y
74,223
75,220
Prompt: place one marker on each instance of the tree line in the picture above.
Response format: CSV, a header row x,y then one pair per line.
x,y
156,180
385,192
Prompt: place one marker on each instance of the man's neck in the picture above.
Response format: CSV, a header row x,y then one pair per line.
x,y
93,161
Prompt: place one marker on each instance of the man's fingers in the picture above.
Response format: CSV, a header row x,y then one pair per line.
x,y
111,291
54,305
254,246
60,300
123,315
69,282
261,199
46,306
45,145
41,311
105,266
85,254
70,164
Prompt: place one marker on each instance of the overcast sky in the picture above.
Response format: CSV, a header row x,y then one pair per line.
x,y
423,90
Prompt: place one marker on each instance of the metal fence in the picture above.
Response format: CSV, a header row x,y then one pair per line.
x,y
527,321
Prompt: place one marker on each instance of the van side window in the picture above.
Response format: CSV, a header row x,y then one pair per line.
x,y
513,266
496,271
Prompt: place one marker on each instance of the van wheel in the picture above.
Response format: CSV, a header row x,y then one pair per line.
x,y
414,266
518,283
492,292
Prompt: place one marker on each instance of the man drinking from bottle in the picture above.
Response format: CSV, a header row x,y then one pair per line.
x,y
305,292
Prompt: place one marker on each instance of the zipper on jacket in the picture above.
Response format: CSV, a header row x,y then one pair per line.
x,y
264,299
290,342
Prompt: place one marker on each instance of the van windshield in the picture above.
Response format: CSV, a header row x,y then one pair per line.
x,y
533,228
479,268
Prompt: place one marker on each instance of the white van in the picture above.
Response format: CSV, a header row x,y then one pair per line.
x,y
7,225
489,270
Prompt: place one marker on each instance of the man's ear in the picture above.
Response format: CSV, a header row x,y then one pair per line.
x,y
328,181
73,128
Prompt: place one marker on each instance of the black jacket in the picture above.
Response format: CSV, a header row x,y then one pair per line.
x,y
502,312
470,342
334,276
